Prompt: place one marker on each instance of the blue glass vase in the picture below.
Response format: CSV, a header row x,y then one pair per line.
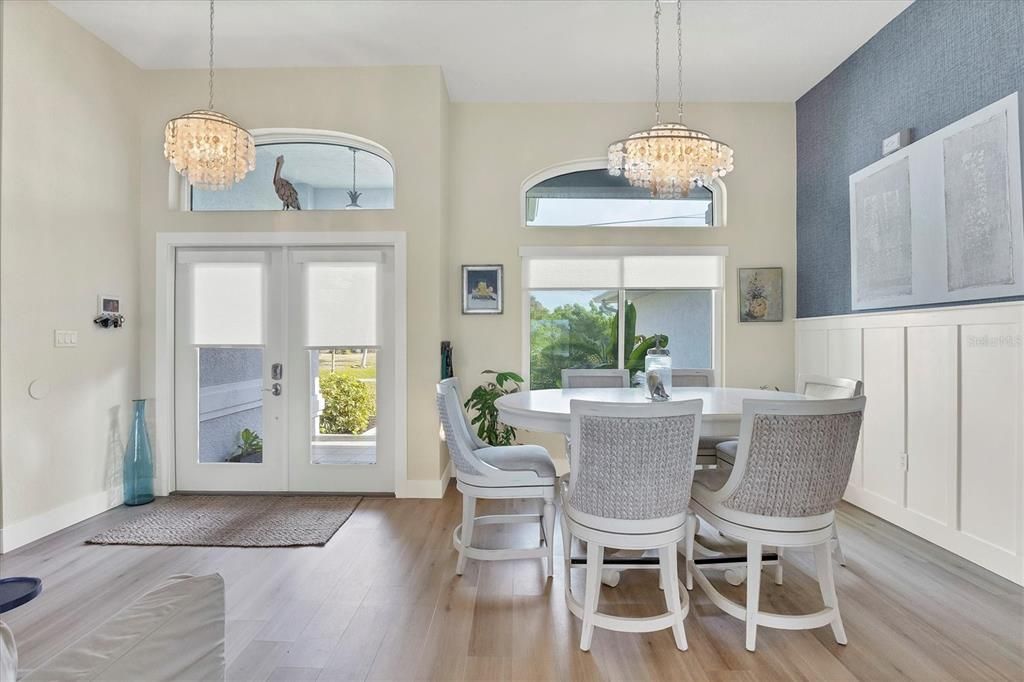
x,y
138,460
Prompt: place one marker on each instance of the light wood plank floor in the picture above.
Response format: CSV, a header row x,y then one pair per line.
x,y
381,601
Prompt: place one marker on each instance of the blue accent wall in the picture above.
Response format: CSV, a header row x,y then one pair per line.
x,y
935,63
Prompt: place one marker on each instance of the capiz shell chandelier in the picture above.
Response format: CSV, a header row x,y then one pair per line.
x,y
669,159
208,148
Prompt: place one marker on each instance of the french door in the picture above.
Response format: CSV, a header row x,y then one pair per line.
x,y
284,369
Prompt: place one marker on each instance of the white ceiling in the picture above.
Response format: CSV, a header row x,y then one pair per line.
x,y
510,50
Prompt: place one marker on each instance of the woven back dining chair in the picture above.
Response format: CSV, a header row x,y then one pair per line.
x,y
629,488
792,468
595,378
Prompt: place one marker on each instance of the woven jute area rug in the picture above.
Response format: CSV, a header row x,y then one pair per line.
x,y
235,521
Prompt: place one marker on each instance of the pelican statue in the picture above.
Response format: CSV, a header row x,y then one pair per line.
x,y
285,190
656,387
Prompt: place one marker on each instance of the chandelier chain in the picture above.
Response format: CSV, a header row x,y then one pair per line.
x,y
679,55
211,55
657,60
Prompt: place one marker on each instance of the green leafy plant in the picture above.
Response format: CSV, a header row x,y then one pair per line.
x,y
481,400
249,443
349,403
583,336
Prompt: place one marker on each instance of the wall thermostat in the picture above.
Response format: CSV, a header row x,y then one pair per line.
x,y
896,141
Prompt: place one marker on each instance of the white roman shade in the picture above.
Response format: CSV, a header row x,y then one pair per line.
x,y
227,304
614,267
341,304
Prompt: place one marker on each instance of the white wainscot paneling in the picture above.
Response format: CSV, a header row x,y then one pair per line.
x,y
844,360
932,422
812,351
884,438
946,387
990,470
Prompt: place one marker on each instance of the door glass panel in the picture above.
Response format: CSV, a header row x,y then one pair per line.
x,y
343,406
571,330
230,404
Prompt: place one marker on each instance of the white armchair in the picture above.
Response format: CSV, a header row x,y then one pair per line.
x,y
495,472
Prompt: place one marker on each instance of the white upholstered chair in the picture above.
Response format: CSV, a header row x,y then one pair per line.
x,y
820,388
631,470
792,467
700,378
595,378
495,472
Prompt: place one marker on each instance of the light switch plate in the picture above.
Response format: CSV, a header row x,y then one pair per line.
x,y
65,338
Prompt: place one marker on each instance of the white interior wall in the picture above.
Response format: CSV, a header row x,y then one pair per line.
x,y
68,232
457,181
495,147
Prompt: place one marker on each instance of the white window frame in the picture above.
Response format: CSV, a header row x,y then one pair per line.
x,y
179,195
718,198
717,293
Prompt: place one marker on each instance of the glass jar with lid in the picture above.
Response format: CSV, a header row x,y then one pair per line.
x,y
658,372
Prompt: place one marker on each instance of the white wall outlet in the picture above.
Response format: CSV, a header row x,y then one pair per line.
x,y
896,141
65,338
903,461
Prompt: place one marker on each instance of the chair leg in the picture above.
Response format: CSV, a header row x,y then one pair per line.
x,y
778,566
691,531
595,559
670,579
548,528
827,583
837,548
566,552
466,536
753,591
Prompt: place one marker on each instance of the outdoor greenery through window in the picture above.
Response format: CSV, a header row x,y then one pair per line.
x,y
345,422
579,329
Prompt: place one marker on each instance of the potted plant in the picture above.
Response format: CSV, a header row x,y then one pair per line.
x,y
481,400
250,447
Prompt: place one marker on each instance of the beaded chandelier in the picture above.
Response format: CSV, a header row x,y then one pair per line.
x,y
208,148
669,159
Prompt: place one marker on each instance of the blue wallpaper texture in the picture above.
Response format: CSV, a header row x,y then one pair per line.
x,y
935,63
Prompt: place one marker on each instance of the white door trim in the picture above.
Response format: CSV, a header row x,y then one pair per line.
x,y
166,245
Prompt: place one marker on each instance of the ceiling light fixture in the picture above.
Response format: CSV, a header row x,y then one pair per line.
x,y
669,159
208,148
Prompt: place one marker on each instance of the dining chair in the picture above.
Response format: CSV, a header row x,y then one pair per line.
x,y
707,455
631,468
792,468
595,378
490,472
820,388
698,378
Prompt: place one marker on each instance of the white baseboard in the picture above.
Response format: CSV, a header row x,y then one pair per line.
x,y
426,488
31,529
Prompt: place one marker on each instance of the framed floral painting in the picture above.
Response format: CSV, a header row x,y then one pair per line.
x,y
481,290
760,294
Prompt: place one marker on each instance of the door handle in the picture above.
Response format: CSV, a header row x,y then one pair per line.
x,y
275,389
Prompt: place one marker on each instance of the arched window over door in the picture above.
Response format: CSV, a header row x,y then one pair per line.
x,y
330,171
584,194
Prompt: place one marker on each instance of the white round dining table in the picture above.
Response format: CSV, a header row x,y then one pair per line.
x,y
547,410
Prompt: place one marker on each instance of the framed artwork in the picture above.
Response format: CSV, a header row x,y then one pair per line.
x,y
941,220
760,294
482,290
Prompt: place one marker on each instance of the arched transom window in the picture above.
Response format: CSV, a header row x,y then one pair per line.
x,y
584,194
330,171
